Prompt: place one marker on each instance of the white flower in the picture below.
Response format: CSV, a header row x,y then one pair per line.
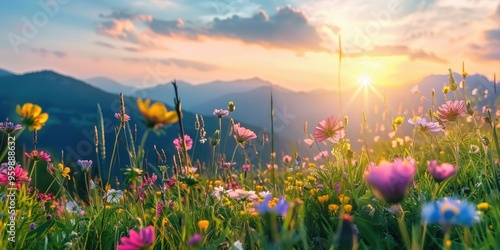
x,y
219,192
264,193
237,246
113,196
73,208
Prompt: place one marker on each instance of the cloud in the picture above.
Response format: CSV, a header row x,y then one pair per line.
x,y
181,63
487,49
399,50
47,53
173,28
105,45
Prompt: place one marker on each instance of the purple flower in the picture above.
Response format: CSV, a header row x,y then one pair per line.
x,y
451,110
226,165
424,126
178,142
390,181
85,165
9,127
32,226
221,112
196,239
441,172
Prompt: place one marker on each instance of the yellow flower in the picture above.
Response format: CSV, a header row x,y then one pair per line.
x,y
484,206
347,208
64,171
312,165
446,89
119,210
313,191
32,116
323,198
344,199
108,207
217,183
203,224
311,179
157,115
398,120
298,184
259,188
333,207
255,214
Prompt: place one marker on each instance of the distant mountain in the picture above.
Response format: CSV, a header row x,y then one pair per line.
x,y
5,73
110,85
72,108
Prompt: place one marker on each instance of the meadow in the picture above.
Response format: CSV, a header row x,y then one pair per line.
x,y
436,188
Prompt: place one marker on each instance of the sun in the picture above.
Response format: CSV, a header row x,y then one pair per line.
x,y
365,81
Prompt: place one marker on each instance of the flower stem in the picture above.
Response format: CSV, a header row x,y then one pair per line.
x,y
404,231
113,154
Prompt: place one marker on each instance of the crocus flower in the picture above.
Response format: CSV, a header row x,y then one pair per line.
x,y
243,135
32,116
85,165
221,112
178,142
196,239
451,110
136,241
157,114
331,129
449,212
423,125
20,176
390,181
9,127
38,156
441,172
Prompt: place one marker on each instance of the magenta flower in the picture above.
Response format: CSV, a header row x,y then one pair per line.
x,y
331,129
142,240
424,126
441,172
195,240
221,112
243,135
246,167
451,110
122,119
178,142
38,156
20,175
390,181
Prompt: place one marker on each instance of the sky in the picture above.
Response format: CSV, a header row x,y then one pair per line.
x,y
292,43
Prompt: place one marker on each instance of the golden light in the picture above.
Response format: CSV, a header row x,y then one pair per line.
x,y
365,81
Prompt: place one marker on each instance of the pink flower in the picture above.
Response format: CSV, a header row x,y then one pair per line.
x,y
243,135
38,156
330,129
122,119
321,155
390,181
309,141
20,175
441,172
246,167
287,159
424,126
451,110
178,142
142,240
221,112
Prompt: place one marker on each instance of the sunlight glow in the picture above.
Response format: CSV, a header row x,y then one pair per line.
x,y
365,81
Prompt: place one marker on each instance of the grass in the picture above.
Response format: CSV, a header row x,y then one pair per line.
x,y
318,217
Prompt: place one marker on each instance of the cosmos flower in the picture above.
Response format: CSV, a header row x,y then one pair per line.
x,y
157,114
38,156
142,240
451,110
243,135
221,112
449,212
423,125
20,176
85,165
178,142
390,181
441,172
32,116
331,129
9,127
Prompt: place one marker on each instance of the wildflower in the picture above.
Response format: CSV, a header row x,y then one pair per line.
x,y
424,126
215,138
441,172
330,129
414,90
390,181
32,115
196,239
64,171
142,240
226,165
280,208
446,89
85,165
344,199
243,135
237,246
309,141
333,207
38,156
113,196
324,198
122,118
231,107
449,212
203,224
20,175
221,112
286,159
9,127
321,155
398,120
347,208
178,142
483,206
73,208
245,167
451,110
239,194
157,114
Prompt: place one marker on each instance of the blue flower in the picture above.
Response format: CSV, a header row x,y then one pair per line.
x,y
281,207
449,212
